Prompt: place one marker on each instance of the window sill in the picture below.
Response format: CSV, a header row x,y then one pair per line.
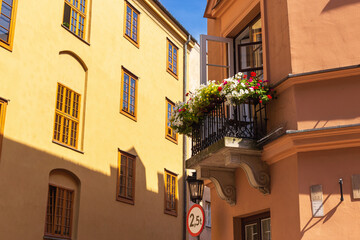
x,y
4,100
7,46
171,139
172,74
55,238
87,43
66,146
171,213
136,44
125,200
128,115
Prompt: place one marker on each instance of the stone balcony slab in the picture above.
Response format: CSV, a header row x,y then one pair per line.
x,y
219,161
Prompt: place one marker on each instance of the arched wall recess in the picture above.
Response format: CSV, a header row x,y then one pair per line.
x,y
65,179
83,80
68,178
74,55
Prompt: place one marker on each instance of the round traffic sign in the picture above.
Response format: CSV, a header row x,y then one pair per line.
x,y
195,220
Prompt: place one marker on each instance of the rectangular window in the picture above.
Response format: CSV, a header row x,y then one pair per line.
x,y
75,16
67,113
248,46
59,212
170,134
128,94
170,193
7,22
207,214
256,227
2,120
213,67
172,58
131,28
126,178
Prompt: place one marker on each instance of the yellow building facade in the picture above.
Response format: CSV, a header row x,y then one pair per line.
x,y
85,92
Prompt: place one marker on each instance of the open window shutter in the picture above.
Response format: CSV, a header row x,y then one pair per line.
x,y
216,58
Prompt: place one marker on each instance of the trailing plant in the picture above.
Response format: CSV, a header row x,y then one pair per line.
x,y
234,90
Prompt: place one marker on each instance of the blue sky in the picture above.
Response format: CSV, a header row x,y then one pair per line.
x,y
189,13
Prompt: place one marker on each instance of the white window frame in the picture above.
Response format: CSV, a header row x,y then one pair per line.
x,y
203,56
207,214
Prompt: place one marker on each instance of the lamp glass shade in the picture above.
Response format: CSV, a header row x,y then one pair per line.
x,y
196,188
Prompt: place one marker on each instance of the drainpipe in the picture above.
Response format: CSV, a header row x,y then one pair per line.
x,y
184,137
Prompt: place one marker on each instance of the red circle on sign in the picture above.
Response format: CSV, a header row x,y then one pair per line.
x,y
194,234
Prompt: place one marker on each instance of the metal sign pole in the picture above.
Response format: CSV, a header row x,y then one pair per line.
x,y
198,202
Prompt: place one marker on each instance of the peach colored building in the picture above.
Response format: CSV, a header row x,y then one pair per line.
x,y
290,169
86,91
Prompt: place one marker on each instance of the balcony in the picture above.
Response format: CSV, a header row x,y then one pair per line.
x,y
237,121
227,138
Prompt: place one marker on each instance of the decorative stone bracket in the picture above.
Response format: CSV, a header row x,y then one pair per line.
x,y
256,171
219,162
224,181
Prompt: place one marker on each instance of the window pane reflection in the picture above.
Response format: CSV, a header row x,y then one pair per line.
x,y
248,46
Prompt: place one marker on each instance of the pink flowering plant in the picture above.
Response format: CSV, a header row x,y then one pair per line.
x,y
234,90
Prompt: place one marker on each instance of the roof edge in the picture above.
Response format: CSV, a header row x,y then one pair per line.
x,y
208,9
157,2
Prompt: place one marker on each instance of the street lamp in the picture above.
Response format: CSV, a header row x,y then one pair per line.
x,y
196,188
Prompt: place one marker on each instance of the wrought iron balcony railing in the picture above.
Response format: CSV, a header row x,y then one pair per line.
x,y
247,120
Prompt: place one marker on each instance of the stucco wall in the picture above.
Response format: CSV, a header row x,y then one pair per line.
x,y
282,204
327,103
322,34
326,168
29,76
234,16
299,37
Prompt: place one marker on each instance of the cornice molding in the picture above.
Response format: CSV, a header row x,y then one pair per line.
x,y
251,11
304,78
221,8
311,140
214,10
208,9
4,99
169,20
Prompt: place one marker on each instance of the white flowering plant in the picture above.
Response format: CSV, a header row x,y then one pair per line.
x,y
234,90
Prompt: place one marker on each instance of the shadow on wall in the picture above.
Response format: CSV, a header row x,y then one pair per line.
x,y
326,168
24,186
333,4
325,218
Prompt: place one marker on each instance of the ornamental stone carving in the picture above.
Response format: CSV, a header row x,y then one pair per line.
x,y
256,170
224,181
219,162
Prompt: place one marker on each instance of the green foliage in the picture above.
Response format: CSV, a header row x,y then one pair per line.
x,y
234,90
